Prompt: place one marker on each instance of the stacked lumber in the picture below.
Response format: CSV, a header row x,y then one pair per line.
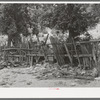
x,y
58,50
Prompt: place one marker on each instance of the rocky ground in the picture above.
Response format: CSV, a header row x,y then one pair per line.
x,y
28,77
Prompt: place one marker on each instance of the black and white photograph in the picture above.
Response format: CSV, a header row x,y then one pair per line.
x,y
49,45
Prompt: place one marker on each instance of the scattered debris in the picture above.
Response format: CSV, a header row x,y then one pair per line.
x,y
11,64
50,71
3,65
29,83
94,72
73,84
97,78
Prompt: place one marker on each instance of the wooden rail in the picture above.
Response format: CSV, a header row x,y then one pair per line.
x,y
31,52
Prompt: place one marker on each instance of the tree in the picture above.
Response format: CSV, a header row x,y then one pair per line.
x,y
36,12
76,18
17,18
14,22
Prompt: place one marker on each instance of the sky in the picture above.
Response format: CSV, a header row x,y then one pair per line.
x,y
95,32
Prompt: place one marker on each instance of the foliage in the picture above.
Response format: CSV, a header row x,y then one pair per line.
x,y
37,11
77,18
15,19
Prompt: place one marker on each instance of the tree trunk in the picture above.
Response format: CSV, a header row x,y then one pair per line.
x,y
9,40
15,39
37,38
73,33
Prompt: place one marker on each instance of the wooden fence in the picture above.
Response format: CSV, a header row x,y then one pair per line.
x,y
83,53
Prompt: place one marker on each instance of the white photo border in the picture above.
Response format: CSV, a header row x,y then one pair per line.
x,y
51,92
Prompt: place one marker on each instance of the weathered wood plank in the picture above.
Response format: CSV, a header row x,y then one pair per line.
x,y
70,58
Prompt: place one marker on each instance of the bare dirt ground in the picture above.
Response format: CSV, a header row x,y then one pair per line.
x,y
24,77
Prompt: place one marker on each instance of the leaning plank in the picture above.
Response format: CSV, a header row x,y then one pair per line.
x,y
57,51
76,51
68,53
94,54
